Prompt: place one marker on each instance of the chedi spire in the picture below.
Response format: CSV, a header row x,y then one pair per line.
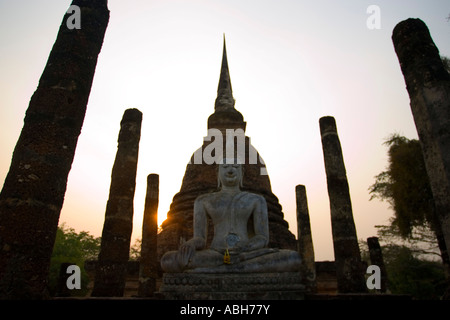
x,y
224,100
225,116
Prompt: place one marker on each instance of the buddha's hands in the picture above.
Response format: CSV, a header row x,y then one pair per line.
x,y
257,242
187,250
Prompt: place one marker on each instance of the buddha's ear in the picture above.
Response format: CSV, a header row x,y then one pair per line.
x,y
241,181
219,184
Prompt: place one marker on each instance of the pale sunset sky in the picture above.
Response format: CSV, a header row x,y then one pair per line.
x,y
291,62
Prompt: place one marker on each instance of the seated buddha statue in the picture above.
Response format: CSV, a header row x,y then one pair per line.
x,y
235,247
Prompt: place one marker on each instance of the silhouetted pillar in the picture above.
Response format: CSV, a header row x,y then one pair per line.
x,y
148,268
376,258
115,245
428,85
349,272
33,191
305,243
62,289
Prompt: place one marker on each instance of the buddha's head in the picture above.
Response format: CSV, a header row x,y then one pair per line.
x,y
230,173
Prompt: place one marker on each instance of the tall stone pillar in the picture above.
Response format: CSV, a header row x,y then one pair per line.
x,y
376,258
428,85
115,245
148,268
305,243
33,191
349,272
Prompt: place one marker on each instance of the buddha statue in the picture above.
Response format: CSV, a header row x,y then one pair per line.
x,y
241,233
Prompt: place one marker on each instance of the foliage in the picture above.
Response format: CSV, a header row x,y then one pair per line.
x,y
407,274
410,245
421,242
74,248
135,250
446,62
405,186
408,270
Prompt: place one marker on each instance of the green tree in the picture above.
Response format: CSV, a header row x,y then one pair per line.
x,y
405,186
75,248
407,274
409,269
421,242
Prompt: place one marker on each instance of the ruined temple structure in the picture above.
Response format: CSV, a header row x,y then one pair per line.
x,y
201,176
118,225
349,270
428,86
34,189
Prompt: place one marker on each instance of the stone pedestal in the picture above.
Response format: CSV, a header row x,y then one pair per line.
x,y
225,286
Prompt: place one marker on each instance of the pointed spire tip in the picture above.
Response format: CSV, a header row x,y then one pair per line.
x,y
224,92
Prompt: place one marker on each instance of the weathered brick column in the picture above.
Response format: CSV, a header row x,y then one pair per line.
x,y
305,243
33,191
62,290
349,272
148,268
376,258
115,246
428,85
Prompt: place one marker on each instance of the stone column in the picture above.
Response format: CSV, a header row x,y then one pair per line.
x,y
428,85
376,258
115,246
33,191
148,268
349,271
62,290
305,243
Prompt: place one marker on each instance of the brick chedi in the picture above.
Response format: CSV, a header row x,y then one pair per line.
x,y
226,128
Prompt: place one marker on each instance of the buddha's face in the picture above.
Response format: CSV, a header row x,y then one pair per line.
x,y
230,175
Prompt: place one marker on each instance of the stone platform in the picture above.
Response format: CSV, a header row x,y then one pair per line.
x,y
226,286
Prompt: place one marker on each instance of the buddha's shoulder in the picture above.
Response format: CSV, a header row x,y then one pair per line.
x,y
250,196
